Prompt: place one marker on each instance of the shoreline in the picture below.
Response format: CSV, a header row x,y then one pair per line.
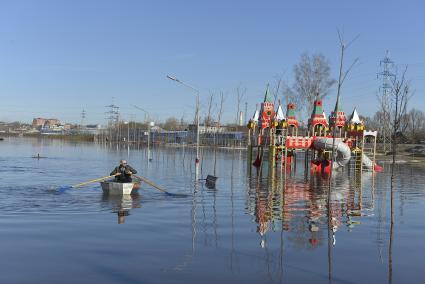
x,y
79,137
402,157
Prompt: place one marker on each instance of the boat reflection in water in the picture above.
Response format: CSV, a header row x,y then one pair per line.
x,y
121,204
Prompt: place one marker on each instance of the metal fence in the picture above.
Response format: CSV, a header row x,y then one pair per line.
x,y
140,136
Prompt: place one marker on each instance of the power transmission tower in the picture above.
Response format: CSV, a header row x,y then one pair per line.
x,y
385,100
83,117
112,115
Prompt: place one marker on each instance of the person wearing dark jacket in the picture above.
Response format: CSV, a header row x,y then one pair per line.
x,y
125,171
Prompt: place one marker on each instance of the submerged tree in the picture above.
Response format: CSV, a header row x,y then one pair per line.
x,y
400,95
240,94
209,120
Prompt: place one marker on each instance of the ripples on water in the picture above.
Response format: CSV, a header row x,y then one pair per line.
x,y
246,229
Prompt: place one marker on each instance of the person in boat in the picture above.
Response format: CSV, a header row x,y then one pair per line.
x,y
125,171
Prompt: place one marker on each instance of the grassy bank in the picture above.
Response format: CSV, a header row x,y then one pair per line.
x,y
406,153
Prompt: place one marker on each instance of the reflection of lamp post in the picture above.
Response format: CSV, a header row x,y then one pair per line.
x,y
197,122
150,123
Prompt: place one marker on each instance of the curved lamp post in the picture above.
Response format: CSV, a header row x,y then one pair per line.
x,y
149,131
197,121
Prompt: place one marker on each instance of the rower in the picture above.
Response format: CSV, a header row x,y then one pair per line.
x,y
124,172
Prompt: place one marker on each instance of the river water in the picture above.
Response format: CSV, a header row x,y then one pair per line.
x,y
245,230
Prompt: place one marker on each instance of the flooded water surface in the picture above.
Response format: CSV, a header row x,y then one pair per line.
x,y
245,230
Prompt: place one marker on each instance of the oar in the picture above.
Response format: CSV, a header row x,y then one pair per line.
x,y
63,188
159,188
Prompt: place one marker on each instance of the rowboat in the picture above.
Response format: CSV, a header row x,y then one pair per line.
x,y
118,188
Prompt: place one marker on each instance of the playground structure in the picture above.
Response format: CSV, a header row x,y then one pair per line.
x,y
274,140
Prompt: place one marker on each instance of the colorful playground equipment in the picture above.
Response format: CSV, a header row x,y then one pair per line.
x,y
275,138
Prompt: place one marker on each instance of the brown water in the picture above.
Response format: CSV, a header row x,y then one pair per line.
x,y
246,230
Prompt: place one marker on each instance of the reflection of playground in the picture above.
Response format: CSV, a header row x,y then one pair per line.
x,y
121,204
300,207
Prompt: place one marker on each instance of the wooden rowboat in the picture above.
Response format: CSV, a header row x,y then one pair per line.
x,y
118,188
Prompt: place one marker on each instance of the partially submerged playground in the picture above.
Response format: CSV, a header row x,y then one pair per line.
x,y
328,144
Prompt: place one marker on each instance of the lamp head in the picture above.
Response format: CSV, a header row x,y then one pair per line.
x,y
172,78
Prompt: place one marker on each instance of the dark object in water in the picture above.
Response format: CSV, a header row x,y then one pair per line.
x,y
257,162
39,157
1,138
210,181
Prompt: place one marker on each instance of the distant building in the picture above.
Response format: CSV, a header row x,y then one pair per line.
x,y
207,129
92,129
157,129
93,126
51,130
241,120
44,122
67,126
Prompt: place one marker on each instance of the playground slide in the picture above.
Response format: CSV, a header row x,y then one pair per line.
x,y
343,155
367,162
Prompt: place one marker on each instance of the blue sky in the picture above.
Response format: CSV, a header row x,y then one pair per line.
x,y
59,57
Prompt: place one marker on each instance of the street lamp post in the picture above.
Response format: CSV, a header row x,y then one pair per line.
x,y
149,140
197,121
128,132
128,138
149,132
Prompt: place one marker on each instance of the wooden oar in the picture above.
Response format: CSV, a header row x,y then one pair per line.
x,y
63,188
159,188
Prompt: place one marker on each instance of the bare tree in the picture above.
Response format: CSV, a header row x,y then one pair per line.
x,y
400,95
376,121
220,114
290,96
284,93
416,120
182,122
277,88
220,108
240,93
209,119
312,79
171,123
404,124
341,78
